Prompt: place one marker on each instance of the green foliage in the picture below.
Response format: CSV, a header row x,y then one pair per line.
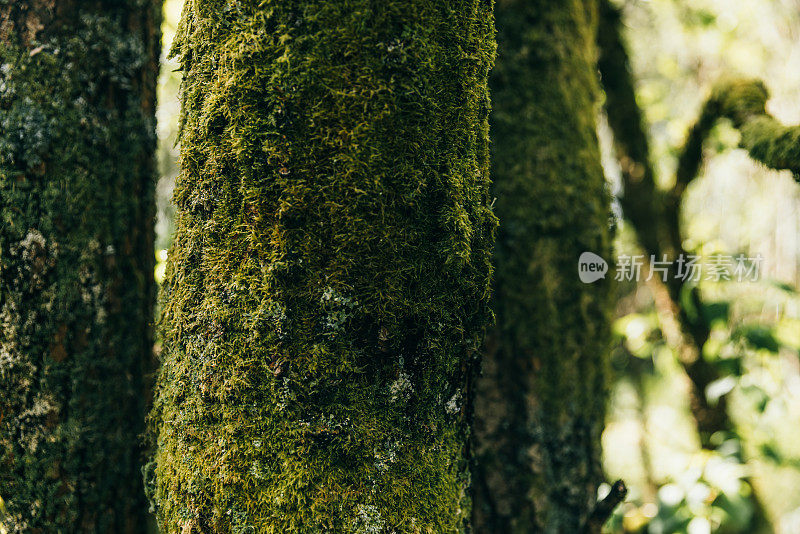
x,y
76,180
711,497
711,204
758,336
327,288
715,487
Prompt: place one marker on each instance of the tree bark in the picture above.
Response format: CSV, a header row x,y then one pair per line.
x,y
77,170
541,400
328,285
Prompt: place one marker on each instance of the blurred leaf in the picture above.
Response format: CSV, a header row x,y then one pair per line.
x,y
738,510
770,452
783,286
718,339
716,311
719,388
637,330
689,299
699,17
730,448
669,521
732,366
758,336
757,396
788,332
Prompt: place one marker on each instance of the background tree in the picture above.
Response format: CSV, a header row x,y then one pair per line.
x,y
328,283
77,103
654,213
540,402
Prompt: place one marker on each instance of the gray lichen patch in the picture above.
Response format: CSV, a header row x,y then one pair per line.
x,y
453,406
368,520
402,388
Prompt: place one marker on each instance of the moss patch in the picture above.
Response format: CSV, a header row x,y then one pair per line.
x,y
540,402
328,285
76,185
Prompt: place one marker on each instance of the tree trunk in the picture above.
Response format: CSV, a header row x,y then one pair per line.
x,y
77,145
540,402
328,284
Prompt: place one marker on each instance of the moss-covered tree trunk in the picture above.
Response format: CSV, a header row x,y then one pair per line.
x,y
540,401
77,144
328,283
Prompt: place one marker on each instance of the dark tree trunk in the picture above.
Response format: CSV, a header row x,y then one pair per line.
x,y
540,402
77,145
327,288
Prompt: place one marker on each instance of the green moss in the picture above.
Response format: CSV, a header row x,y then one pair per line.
x,y
328,284
743,101
540,403
767,140
76,184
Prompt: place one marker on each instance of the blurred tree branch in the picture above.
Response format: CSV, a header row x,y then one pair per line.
x,y
655,215
605,507
655,219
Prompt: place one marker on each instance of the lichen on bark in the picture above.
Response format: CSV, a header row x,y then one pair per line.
x,y
77,142
327,287
540,402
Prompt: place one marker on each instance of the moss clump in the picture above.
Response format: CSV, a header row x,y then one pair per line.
x,y
766,140
76,185
328,284
743,102
540,402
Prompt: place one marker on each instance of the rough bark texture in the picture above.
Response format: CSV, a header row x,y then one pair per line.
x,y
328,284
77,144
540,402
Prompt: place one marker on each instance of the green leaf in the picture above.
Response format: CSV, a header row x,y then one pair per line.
x,y
770,452
758,336
716,311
